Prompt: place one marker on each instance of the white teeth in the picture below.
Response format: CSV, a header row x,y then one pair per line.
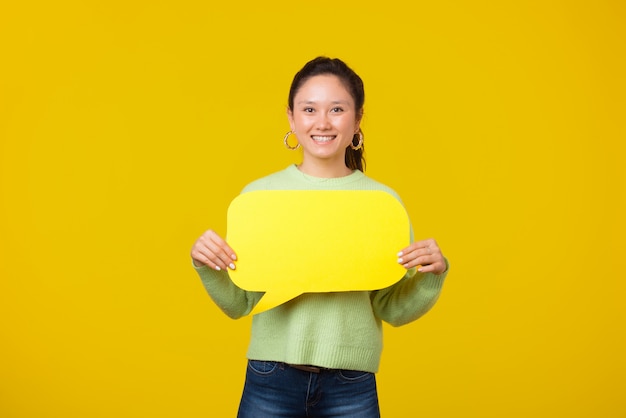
x,y
323,138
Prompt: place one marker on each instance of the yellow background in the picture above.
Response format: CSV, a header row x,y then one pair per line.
x,y
127,127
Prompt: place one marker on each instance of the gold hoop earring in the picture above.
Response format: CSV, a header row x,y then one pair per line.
x,y
285,140
360,144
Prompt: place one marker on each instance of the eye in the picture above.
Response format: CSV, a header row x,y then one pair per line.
x,y
336,109
308,110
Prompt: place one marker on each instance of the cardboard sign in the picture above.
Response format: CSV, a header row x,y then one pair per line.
x,y
290,242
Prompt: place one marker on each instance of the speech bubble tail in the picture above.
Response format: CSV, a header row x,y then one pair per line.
x,y
271,300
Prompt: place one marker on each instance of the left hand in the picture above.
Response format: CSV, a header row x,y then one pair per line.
x,y
425,254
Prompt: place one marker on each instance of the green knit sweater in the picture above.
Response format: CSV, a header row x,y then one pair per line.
x,y
341,330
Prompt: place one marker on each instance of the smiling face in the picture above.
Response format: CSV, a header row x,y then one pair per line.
x,y
324,120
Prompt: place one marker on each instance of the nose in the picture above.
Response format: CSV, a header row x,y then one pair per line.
x,y
323,121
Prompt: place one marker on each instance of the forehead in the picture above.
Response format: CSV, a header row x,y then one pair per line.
x,y
323,87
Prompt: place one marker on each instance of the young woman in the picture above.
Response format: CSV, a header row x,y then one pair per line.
x,y
316,355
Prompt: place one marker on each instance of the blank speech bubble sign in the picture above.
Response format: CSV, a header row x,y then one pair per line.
x,y
290,242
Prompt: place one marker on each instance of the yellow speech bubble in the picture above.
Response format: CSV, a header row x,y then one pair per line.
x,y
290,242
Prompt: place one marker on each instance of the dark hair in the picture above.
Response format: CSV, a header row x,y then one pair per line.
x,y
334,66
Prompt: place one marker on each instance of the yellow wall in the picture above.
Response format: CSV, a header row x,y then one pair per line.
x,y
127,127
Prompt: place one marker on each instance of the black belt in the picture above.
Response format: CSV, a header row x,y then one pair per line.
x,y
304,368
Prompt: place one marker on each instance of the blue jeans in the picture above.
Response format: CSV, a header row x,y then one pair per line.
x,y
275,390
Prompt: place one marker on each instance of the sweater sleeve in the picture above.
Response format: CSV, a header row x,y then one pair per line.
x,y
231,299
408,299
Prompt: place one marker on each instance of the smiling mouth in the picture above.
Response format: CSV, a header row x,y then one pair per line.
x,y
323,138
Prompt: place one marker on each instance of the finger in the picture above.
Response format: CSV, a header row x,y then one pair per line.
x,y
419,248
437,268
418,261
414,260
415,257
220,242
212,250
219,255
421,244
205,257
425,254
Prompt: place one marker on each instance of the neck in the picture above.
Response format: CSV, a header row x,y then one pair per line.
x,y
324,170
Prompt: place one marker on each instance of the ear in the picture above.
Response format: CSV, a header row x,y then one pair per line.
x,y
357,125
290,119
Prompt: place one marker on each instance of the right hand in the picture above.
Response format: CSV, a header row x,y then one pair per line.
x,y
211,250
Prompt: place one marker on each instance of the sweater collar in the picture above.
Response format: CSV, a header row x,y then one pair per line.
x,y
354,176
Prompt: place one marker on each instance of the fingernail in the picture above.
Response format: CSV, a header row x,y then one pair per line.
x,y
400,254
233,256
217,268
400,260
232,266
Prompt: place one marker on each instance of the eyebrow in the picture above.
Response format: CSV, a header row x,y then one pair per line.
x,y
313,102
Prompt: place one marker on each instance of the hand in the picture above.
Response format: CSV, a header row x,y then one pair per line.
x,y
210,249
425,254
